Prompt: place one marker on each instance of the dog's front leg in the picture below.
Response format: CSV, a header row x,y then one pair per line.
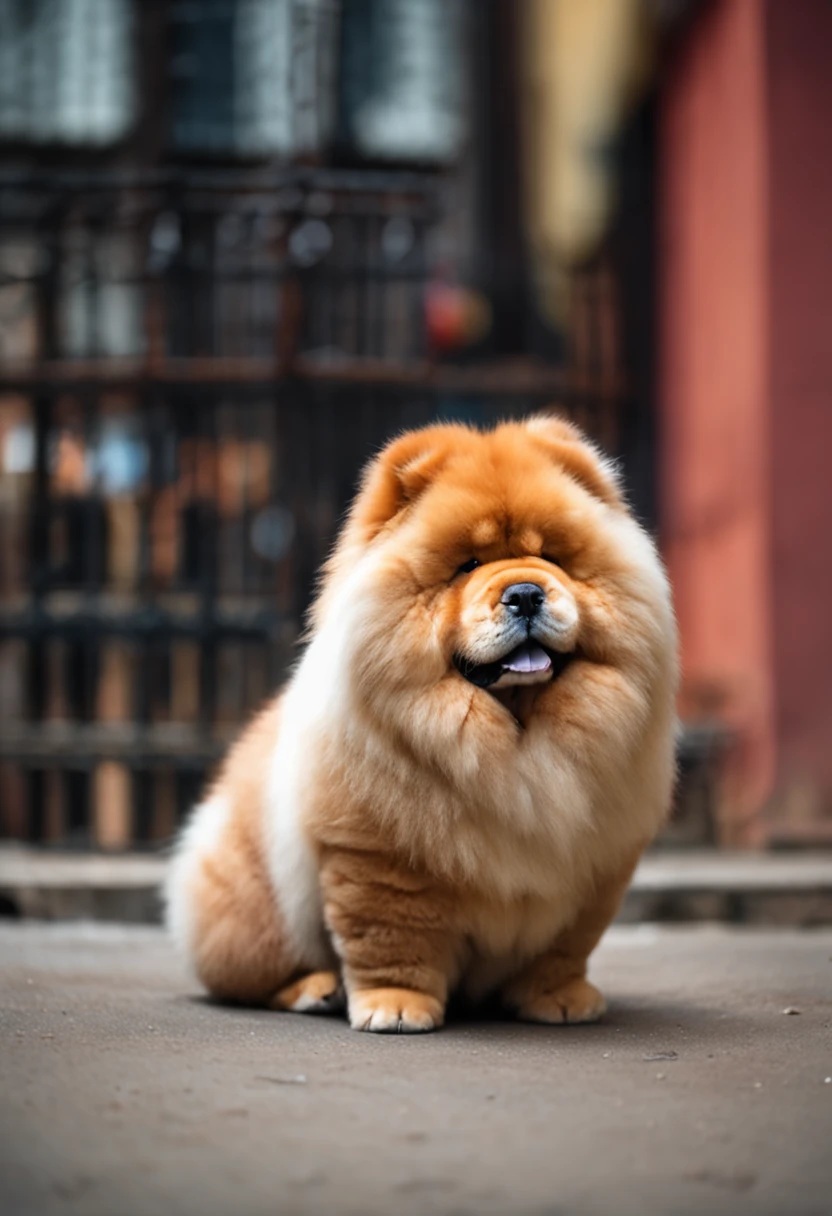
x,y
392,929
554,987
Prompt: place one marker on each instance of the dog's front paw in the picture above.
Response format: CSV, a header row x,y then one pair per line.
x,y
575,1001
394,1011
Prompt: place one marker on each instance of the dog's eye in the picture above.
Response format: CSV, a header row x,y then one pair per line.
x,y
468,566
553,561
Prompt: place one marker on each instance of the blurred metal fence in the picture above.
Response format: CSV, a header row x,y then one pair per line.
x,y
193,368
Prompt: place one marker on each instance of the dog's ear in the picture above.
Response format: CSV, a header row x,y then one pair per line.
x,y
400,474
567,446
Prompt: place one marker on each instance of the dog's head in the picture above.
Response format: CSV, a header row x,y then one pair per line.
x,y
491,558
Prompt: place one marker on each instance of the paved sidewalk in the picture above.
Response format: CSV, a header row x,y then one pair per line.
x,y
123,1092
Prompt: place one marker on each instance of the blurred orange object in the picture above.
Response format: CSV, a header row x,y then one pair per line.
x,y
456,316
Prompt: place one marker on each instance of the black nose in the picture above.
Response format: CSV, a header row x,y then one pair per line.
x,y
523,599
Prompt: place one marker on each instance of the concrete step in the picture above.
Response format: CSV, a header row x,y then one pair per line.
x,y
792,888
49,885
700,885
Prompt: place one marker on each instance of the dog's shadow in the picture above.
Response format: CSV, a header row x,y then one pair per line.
x,y
633,1021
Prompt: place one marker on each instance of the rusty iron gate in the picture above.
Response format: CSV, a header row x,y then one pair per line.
x,y
194,368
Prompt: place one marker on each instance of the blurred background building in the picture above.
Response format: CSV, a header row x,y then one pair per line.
x,y
242,242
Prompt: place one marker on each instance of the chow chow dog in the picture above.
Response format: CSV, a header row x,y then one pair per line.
x,y
451,792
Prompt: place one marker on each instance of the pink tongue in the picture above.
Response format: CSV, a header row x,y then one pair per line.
x,y
527,657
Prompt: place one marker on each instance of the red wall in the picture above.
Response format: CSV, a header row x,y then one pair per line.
x,y
799,55
714,391
746,398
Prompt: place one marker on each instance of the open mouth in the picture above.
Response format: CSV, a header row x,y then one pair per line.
x,y
527,663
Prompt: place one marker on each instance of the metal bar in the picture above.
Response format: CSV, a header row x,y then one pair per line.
x,y
363,182
36,625
491,378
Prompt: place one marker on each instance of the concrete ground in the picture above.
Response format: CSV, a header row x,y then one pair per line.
x,y
707,1089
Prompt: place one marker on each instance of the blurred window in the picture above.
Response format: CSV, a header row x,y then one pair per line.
x,y
65,70
403,78
265,77
253,77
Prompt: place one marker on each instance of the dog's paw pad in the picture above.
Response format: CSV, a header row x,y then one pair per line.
x,y
394,1011
575,1001
319,992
